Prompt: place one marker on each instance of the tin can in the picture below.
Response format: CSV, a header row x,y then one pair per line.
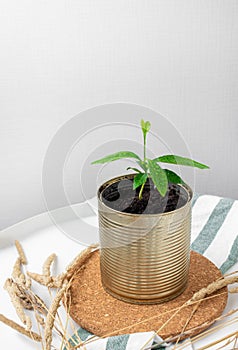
x,y
144,258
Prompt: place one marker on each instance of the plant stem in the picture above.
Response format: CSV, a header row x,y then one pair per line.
x,y
145,163
144,147
141,190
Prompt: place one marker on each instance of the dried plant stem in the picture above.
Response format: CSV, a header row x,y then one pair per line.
x,y
213,287
233,290
17,273
196,306
22,297
60,322
41,279
209,331
65,337
42,308
39,325
235,342
218,341
49,324
191,330
32,335
75,333
16,302
230,274
157,332
21,253
229,341
47,265
78,261
38,303
45,278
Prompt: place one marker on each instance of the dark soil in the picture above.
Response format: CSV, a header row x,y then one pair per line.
x,y
121,196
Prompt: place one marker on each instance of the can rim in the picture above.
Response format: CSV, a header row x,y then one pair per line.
x,y
131,175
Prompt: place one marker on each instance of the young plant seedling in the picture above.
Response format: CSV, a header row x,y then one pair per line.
x,y
150,168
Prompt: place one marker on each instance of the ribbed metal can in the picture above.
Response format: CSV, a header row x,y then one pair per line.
x,y
144,258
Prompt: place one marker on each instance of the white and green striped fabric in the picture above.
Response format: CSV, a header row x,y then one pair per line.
x,y
214,234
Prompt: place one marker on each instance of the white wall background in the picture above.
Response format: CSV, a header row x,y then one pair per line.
x,y
58,58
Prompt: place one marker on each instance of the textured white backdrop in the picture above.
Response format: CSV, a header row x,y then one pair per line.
x,y
58,58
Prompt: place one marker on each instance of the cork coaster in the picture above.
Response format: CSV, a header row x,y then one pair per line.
x,y
101,314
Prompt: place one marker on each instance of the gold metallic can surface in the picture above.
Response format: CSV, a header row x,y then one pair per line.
x,y
144,258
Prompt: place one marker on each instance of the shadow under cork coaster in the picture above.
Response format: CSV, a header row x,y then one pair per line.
x,y
103,315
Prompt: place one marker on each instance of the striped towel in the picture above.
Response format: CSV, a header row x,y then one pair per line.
x,y
214,234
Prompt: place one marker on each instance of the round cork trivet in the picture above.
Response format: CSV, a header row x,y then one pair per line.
x,y
103,315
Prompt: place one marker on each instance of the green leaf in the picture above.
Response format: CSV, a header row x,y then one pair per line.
x,y
139,180
172,159
173,177
158,176
135,169
145,126
142,164
116,156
